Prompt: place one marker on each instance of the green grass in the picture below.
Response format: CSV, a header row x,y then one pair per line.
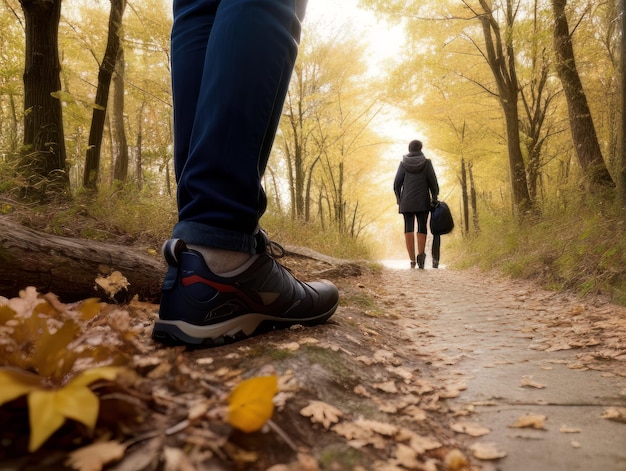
x,y
581,248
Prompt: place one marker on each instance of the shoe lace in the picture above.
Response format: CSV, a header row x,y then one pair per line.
x,y
272,248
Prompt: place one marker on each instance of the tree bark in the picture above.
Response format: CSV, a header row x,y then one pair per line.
x,y
500,56
68,267
622,159
120,172
580,119
42,163
92,161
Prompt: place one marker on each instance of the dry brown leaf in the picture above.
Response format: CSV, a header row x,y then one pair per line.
x,y
487,451
530,421
415,413
565,429
112,284
528,381
322,413
617,414
290,347
470,428
388,387
407,457
453,390
381,428
94,457
559,346
361,391
367,361
422,444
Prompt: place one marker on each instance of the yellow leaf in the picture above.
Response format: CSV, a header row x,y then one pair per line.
x,y
48,409
44,418
79,404
251,403
16,383
89,376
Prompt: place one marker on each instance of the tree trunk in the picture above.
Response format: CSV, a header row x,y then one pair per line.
x,y
42,162
92,162
473,198
68,267
500,56
464,197
580,119
120,172
622,160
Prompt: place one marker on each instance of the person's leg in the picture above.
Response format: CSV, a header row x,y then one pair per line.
x,y
422,218
409,236
231,63
436,249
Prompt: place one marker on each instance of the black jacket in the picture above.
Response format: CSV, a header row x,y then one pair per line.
x,y
415,183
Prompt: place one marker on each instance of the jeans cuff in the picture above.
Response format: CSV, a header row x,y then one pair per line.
x,y
196,233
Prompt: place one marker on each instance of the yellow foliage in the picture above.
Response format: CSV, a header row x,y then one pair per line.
x,y
250,404
39,343
49,408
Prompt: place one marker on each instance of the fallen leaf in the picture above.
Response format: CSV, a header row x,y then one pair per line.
x,y
528,381
94,457
565,429
617,414
487,451
250,403
470,428
388,387
322,413
407,457
530,421
455,460
49,408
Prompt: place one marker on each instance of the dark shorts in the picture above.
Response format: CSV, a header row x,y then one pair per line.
x,y
422,220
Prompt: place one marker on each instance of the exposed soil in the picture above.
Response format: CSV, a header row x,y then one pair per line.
x,y
414,365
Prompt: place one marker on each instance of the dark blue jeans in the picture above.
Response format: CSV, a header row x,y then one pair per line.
x,y
231,65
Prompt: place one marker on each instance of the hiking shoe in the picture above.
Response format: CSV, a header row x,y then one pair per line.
x,y
199,308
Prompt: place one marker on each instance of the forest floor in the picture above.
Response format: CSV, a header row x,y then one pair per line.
x,y
417,370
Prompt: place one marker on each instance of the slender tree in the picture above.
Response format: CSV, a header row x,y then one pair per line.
x,y
500,55
92,162
120,172
581,122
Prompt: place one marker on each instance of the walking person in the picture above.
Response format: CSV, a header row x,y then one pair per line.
x,y
416,189
231,65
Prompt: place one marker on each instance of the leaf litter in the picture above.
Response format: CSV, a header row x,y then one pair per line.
x,y
356,383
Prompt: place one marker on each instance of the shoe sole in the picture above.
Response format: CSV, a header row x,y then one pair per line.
x,y
178,332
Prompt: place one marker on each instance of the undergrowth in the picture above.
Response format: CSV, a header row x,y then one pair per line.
x,y
579,247
123,214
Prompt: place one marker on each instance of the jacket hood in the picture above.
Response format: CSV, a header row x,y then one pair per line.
x,y
414,162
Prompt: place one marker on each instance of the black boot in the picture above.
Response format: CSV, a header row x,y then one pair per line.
x,y
421,259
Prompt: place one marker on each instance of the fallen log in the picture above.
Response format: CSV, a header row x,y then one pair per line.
x,y
68,267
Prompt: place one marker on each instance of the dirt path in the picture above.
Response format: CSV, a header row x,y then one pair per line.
x,y
425,370
521,352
